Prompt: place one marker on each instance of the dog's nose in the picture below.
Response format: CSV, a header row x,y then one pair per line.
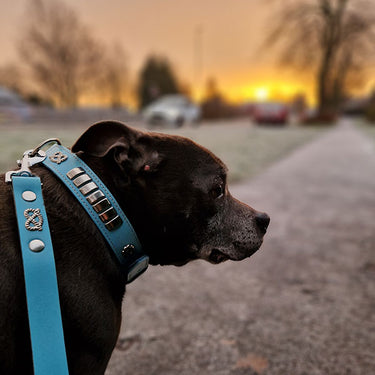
x,y
262,220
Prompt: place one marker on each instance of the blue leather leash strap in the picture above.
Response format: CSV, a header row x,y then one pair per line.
x,y
46,330
102,208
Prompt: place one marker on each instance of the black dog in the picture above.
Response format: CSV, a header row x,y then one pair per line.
x,y
175,194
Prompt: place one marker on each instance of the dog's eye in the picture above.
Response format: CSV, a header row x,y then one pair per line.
x,y
217,192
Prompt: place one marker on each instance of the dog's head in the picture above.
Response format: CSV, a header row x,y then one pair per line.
x,y
175,194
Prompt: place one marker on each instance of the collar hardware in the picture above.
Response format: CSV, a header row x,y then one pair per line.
x,y
102,208
25,163
127,250
94,197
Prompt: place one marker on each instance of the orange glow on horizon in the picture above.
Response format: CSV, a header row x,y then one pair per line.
x,y
259,92
268,91
263,89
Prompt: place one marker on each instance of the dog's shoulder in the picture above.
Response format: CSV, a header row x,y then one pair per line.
x,y
8,226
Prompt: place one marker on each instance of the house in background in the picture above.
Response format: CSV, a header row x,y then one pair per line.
x,y
13,108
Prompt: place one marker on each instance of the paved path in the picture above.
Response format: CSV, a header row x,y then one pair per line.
x,y
303,305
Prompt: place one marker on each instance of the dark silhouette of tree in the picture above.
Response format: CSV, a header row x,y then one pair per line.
x,y
212,90
214,105
156,78
333,38
114,75
11,77
62,57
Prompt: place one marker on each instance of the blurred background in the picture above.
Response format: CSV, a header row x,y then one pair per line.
x,y
284,93
307,60
187,64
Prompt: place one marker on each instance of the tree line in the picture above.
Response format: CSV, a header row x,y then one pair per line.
x,y
61,61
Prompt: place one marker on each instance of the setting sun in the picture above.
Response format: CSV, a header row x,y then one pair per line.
x,y
261,94
271,90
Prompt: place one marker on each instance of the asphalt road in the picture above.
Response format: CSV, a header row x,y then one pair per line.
x,y
303,305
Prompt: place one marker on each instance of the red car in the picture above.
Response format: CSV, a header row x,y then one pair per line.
x,y
271,113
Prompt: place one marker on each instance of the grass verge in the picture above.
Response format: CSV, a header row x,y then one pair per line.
x,y
244,148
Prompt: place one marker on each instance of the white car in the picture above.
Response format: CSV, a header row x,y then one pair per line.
x,y
171,110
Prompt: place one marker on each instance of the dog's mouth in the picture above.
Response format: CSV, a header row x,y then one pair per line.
x,y
217,256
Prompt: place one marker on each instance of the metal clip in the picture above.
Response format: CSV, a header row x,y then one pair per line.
x,y
30,158
23,171
36,150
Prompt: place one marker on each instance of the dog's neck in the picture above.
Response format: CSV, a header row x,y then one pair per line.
x,y
159,236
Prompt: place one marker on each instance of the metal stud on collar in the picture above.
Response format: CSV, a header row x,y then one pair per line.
x,y
102,206
128,250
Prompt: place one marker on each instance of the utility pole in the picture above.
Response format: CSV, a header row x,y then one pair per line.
x,y
198,61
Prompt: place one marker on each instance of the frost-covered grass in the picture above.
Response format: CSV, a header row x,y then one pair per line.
x,y
246,149
16,139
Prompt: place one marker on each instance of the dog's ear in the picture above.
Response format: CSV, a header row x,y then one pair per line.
x,y
103,136
130,148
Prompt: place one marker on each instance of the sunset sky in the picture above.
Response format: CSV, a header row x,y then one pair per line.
x,y
229,35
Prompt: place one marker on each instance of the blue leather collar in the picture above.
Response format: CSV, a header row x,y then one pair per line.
x,y
101,206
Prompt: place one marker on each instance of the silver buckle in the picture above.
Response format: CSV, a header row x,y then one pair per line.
x,y
30,158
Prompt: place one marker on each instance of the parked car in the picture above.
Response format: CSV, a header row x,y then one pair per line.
x,y
271,113
12,107
172,110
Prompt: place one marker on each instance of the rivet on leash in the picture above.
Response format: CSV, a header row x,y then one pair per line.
x,y
128,250
28,196
36,246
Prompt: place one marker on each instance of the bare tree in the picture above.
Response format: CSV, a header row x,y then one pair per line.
x,y
11,78
333,38
115,74
61,55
